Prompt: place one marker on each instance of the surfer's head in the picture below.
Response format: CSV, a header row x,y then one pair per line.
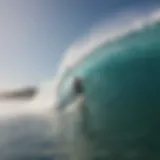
x,y
78,85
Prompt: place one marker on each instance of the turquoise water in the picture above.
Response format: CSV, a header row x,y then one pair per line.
x,y
125,74
122,87
26,138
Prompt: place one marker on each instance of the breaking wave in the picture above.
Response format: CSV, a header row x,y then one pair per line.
x,y
46,97
105,34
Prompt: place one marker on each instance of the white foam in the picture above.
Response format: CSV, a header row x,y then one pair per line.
x,y
41,103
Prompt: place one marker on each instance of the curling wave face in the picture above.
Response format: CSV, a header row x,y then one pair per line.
x,y
122,87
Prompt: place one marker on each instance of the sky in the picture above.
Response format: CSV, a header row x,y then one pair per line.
x,y
34,34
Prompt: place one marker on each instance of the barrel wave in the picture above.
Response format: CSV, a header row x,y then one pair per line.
x,y
122,84
122,88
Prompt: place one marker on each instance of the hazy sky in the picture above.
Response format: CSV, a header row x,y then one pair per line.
x,y
35,33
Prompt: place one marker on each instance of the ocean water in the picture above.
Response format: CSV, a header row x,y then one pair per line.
x,y
27,137
122,87
31,137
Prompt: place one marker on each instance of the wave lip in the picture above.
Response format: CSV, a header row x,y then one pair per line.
x,y
104,34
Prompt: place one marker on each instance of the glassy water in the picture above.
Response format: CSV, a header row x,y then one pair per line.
x,y
26,138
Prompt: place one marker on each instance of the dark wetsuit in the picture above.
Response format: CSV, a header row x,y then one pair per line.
x,y
78,87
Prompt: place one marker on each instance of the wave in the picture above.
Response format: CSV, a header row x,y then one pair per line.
x,y
105,34
46,98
